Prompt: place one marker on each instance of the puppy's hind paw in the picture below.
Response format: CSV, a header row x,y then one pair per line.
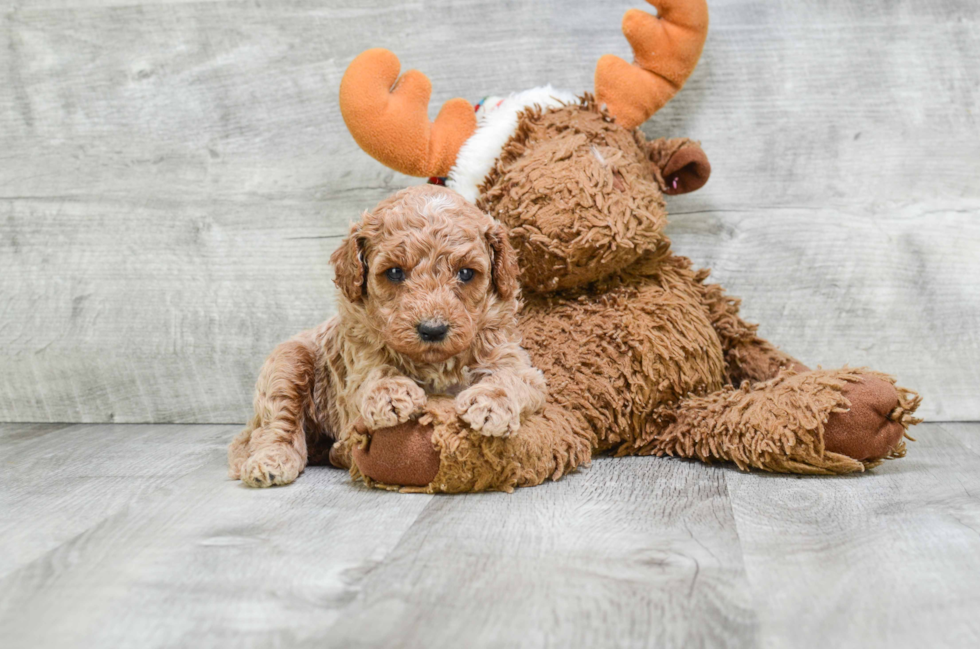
x,y
489,410
390,402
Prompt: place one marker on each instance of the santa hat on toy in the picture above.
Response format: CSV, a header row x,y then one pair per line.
x,y
388,116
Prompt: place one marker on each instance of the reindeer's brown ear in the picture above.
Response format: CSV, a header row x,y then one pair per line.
x,y
687,170
350,266
682,164
504,263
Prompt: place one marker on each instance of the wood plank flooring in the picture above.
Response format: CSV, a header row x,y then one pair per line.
x,y
132,536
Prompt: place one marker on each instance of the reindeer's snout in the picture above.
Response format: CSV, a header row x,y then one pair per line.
x,y
431,331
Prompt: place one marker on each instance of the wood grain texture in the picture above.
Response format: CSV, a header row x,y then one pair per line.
x,y
887,559
633,553
136,538
967,434
131,536
173,176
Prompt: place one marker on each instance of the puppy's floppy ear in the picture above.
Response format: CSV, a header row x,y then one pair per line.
x,y
350,266
503,269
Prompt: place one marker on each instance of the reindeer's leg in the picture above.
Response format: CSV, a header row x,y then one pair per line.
x,y
820,422
867,431
438,453
272,449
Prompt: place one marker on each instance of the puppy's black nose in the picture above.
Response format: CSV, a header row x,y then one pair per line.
x,y
432,332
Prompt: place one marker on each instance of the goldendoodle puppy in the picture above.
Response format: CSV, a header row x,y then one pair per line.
x,y
427,304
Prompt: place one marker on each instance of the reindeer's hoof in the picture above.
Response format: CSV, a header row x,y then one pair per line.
x,y
401,455
869,431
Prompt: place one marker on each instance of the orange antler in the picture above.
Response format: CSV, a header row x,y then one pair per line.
x,y
389,117
666,49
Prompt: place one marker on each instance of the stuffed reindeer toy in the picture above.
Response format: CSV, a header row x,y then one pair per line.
x,y
639,354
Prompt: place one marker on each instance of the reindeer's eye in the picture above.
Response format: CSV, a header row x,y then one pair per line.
x,y
465,274
395,275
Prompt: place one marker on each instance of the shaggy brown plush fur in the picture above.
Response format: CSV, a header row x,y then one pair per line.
x,y
423,258
641,356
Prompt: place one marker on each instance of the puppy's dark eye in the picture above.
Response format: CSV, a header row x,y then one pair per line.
x,y
465,274
395,275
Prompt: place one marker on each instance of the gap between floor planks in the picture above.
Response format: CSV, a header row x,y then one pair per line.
x,y
103,546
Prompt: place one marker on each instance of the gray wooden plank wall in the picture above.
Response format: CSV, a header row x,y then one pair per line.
x,y
174,175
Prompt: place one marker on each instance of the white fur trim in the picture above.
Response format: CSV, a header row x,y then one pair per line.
x,y
496,122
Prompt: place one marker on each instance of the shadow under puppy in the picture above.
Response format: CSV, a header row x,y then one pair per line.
x,y
428,305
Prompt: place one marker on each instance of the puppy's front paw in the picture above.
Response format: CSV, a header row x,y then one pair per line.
x,y
390,402
276,464
489,410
